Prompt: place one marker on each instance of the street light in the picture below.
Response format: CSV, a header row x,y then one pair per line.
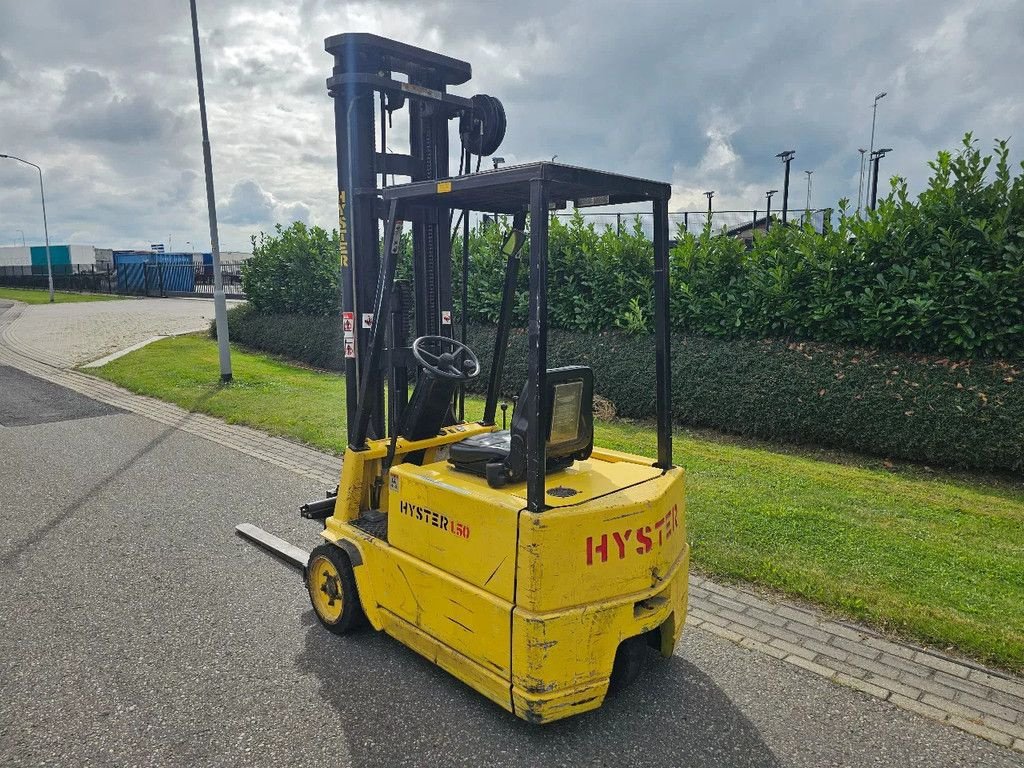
x,y
22,231
46,231
871,146
876,156
497,161
768,211
709,195
860,184
786,158
220,309
808,205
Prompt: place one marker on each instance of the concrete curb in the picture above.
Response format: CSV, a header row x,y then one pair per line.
x,y
981,701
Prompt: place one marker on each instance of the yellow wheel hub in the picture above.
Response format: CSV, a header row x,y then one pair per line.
x,y
325,589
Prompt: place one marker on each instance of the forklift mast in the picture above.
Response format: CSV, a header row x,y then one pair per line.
x,y
366,92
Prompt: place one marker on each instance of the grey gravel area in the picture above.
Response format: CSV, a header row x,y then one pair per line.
x,y
139,630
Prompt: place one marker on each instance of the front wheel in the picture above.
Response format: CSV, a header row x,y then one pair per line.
x,y
332,589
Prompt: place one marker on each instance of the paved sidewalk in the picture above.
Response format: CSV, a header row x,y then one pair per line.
x,y
980,701
70,334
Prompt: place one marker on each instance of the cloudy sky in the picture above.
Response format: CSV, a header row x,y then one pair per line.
x,y
102,95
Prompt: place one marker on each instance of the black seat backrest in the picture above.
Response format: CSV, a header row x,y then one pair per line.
x,y
568,421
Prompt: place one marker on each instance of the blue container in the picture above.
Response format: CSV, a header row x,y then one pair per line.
x,y
145,272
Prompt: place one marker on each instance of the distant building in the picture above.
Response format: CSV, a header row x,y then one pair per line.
x,y
745,232
62,257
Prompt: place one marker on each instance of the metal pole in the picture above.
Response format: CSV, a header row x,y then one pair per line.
x,y
787,158
46,231
874,183
46,234
785,192
219,304
871,146
22,231
860,185
808,205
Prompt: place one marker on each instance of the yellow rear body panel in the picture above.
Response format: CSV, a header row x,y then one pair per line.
x,y
528,609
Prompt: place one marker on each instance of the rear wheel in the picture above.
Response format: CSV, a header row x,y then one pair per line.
x,y
629,660
332,589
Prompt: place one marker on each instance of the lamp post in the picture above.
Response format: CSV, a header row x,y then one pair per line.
x,y
220,308
871,146
46,231
768,211
709,195
807,206
786,158
497,161
22,232
860,184
876,156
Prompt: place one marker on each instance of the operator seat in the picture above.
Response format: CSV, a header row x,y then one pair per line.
x,y
567,421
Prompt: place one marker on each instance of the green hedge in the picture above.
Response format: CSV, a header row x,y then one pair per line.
x,y
939,274
893,405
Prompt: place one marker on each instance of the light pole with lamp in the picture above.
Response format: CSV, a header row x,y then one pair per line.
x,y
860,184
876,156
46,231
786,158
709,195
219,304
768,211
807,206
22,232
871,146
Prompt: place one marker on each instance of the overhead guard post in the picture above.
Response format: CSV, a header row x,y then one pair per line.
x,y
537,354
663,356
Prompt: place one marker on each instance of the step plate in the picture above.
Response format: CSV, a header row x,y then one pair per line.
x,y
376,528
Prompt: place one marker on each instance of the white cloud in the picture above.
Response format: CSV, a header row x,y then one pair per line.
x,y
103,96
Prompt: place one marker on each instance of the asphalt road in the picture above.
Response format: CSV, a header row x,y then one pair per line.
x,y
137,629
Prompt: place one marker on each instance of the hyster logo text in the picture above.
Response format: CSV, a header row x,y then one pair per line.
x,y
435,519
639,540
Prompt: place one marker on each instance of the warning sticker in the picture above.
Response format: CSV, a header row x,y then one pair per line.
x,y
348,323
350,348
446,317
367,320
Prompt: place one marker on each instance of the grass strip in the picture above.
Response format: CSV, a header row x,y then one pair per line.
x,y
934,556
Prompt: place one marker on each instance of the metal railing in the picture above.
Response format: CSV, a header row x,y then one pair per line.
x,y
128,279
721,221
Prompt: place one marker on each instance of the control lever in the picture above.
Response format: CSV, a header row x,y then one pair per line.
x,y
504,407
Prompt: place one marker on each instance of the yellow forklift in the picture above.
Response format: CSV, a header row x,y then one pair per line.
x,y
532,565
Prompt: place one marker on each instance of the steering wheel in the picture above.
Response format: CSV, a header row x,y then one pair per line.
x,y
453,360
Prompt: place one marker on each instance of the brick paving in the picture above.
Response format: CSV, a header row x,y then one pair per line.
x,y
980,701
74,333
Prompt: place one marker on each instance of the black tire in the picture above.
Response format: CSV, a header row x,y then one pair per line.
x,y
629,661
329,579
